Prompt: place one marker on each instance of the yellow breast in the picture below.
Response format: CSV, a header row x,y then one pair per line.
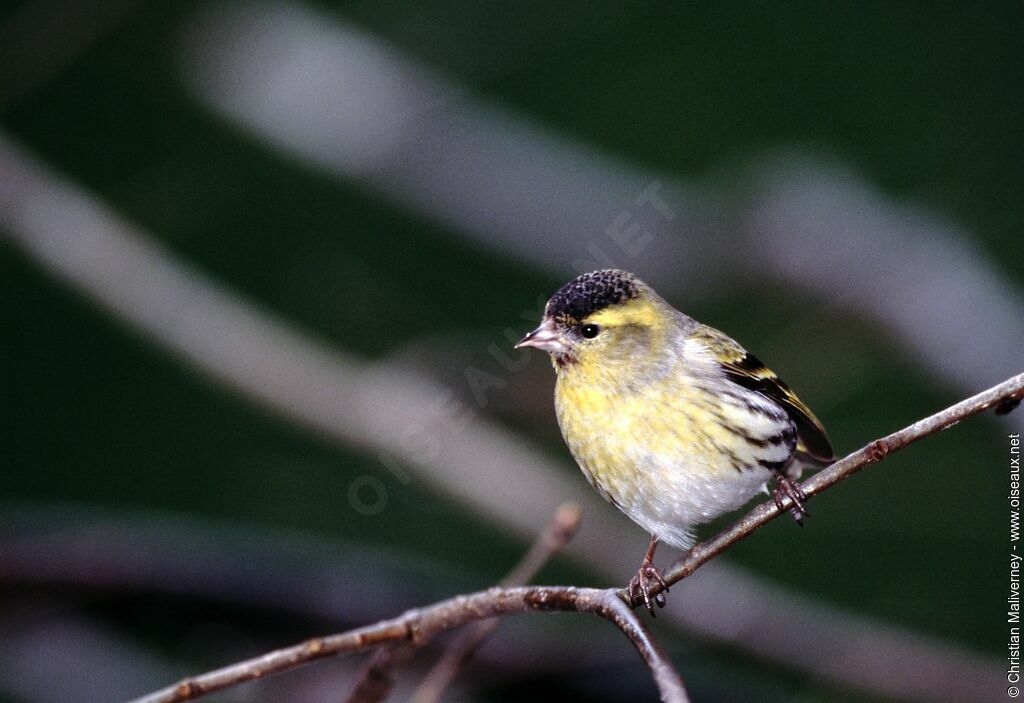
x,y
635,440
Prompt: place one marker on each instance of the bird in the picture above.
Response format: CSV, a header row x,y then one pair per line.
x,y
670,420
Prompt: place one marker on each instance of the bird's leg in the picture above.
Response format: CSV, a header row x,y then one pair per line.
x,y
785,488
646,576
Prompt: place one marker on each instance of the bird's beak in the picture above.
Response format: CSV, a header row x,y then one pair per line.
x,y
545,338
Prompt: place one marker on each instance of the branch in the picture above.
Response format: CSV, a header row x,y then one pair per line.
x,y
558,533
418,626
563,525
421,625
377,676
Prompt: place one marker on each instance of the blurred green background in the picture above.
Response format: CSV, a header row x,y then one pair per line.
x,y
158,523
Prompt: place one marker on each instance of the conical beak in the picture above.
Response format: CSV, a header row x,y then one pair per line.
x,y
545,338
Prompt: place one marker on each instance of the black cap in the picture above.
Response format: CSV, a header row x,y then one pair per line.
x,y
591,292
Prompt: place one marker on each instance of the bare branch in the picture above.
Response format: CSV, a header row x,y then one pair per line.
x,y
563,525
558,533
377,676
665,675
423,624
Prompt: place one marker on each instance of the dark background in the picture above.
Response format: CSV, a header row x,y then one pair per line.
x,y
159,522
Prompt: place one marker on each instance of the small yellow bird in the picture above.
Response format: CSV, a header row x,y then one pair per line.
x,y
670,420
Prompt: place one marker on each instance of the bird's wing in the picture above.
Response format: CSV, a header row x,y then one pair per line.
x,y
746,370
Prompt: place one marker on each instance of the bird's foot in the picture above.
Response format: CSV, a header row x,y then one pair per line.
x,y
640,586
785,488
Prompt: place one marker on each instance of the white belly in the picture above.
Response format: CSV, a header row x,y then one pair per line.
x,y
669,504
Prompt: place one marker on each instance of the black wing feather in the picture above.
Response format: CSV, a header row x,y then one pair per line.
x,y
746,370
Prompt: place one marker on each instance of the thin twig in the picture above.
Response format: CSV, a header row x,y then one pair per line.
x,y
564,524
420,625
423,624
377,676
670,684
558,533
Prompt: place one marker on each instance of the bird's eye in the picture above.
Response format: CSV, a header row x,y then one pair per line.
x,y
590,331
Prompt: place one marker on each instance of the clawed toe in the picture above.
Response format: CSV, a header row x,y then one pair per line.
x,y
640,586
785,488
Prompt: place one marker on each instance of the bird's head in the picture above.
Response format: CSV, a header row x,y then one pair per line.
x,y
602,317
